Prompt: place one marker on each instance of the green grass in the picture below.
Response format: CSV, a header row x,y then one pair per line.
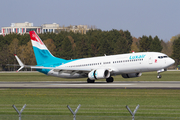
x,y
95,102
35,76
99,104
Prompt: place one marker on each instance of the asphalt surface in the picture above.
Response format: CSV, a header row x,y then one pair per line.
x,y
101,85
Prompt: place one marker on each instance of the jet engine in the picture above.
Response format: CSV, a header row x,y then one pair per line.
x,y
131,75
99,74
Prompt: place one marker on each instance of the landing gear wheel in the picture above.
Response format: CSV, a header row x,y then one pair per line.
x,y
159,76
110,79
90,81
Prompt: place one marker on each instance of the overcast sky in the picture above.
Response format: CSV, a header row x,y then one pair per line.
x,y
139,17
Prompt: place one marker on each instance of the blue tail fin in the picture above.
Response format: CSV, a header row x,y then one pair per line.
x,y
42,54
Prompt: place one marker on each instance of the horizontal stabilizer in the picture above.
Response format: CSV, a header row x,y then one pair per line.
x,y
20,68
20,63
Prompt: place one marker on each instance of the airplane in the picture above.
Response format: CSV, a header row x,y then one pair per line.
x,y
104,67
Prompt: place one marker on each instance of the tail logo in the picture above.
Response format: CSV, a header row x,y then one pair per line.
x,y
36,38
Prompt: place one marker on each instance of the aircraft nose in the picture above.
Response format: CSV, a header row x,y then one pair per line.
x,y
172,61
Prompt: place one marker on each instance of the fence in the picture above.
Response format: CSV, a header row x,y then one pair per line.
x,y
82,117
89,112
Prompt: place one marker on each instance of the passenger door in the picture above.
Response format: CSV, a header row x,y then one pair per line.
x,y
150,59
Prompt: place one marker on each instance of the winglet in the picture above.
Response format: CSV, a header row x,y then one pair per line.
x,y
20,63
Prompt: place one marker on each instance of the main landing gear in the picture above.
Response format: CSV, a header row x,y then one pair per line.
x,y
110,79
90,81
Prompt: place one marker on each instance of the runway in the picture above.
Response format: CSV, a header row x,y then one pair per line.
x,y
99,85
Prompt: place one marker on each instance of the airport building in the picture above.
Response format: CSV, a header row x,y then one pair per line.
x,y
22,28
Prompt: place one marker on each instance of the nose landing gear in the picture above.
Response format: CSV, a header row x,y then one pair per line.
x,y
159,76
159,71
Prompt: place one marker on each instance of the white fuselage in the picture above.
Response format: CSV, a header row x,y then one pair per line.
x,y
118,64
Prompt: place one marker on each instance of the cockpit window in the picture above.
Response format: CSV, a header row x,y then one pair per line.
x,y
162,57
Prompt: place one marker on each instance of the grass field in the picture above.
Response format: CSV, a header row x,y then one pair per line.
x,y
36,76
94,102
99,104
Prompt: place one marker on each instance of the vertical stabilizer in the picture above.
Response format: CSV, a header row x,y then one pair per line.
x,y
42,54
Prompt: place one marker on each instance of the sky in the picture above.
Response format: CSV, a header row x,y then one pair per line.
x,y
139,17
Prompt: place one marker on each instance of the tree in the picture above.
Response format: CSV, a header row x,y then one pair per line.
x,y
73,46
1,42
167,47
174,38
82,51
104,47
66,51
13,49
22,53
176,49
50,45
72,42
29,54
94,44
156,45
134,46
5,57
24,39
144,43
128,38
121,46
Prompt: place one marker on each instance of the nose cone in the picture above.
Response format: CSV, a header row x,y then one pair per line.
x,y
171,61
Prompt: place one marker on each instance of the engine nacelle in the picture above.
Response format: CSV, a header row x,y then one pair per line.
x,y
99,74
131,75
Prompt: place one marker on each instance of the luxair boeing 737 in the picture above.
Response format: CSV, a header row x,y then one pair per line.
x,y
128,65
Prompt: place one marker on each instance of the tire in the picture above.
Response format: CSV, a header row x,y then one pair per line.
x,y
110,79
159,76
90,81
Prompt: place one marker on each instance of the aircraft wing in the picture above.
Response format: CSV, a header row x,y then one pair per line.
x,y
56,69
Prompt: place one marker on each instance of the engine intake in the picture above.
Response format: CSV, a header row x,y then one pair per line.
x,y
99,74
131,75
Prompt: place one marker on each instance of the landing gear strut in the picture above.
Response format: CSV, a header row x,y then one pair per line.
x,y
90,81
159,76
110,79
159,71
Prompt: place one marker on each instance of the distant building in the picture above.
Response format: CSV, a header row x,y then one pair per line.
x,y
55,28
22,28
49,27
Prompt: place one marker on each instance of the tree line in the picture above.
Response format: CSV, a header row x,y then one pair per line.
x,y
69,45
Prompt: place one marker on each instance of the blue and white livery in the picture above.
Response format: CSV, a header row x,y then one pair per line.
x,y
104,67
